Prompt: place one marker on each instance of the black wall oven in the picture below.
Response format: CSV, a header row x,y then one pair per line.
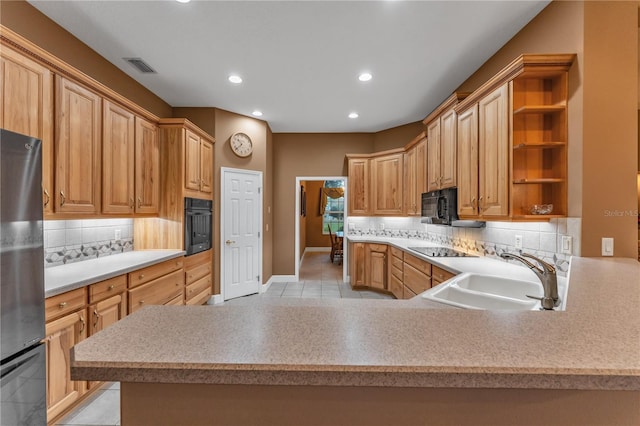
x,y
197,225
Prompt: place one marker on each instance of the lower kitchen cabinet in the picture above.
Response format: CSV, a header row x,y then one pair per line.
x,y
439,275
61,335
158,292
376,266
356,264
198,278
417,274
395,272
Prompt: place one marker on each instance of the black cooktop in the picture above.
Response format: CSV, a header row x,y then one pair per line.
x,y
440,252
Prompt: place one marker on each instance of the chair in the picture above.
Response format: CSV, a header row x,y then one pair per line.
x,y
336,246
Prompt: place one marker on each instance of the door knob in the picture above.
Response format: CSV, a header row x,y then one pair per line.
x,y
229,242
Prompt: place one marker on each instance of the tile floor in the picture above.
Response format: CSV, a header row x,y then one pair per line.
x,y
319,278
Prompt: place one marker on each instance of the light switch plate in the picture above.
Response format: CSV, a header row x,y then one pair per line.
x,y
567,245
118,235
519,242
607,246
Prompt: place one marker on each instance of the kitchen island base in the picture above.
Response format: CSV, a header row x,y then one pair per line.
x,y
206,404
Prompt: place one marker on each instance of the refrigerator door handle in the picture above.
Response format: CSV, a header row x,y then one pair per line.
x,y
5,374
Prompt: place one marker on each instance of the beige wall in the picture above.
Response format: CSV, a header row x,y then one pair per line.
x,y
314,236
396,137
27,21
603,139
300,155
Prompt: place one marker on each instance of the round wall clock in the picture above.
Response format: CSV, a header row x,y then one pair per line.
x,y
241,144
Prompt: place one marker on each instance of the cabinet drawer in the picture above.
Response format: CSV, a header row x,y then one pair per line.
x,y
395,286
415,279
149,273
396,252
107,288
65,303
378,247
196,288
198,272
200,298
419,264
398,273
176,301
407,293
157,292
439,275
396,263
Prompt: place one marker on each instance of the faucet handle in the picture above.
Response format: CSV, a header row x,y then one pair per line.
x,y
547,267
546,303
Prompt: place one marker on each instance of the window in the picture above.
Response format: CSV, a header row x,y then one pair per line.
x,y
332,198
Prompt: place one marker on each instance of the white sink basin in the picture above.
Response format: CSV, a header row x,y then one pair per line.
x,y
478,291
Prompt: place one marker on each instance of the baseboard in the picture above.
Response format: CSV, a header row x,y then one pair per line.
x,y
281,279
316,249
215,299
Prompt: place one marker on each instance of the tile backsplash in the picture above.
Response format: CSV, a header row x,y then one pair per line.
x,y
541,239
69,241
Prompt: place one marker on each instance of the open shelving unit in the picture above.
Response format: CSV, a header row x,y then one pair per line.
x,y
539,143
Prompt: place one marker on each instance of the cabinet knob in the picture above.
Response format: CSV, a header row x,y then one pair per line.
x,y
141,276
111,287
62,304
142,302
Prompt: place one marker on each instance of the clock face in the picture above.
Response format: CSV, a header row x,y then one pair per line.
x,y
241,144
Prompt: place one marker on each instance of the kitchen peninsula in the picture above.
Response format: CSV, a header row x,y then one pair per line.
x,y
380,361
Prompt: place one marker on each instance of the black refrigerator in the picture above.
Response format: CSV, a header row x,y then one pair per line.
x,y
22,327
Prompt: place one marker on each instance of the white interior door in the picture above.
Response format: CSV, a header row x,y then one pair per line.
x,y
240,231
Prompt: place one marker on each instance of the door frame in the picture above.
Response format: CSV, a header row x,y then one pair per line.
x,y
345,258
223,176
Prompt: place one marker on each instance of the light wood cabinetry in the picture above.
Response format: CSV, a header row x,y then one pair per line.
x,y
77,148
198,279
376,266
387,178
415,175
441,132
108,303
147,167
26,107
118,150
357,264
396,270
198,163
359,186
417,274
159,284
512,135
66,325
439,275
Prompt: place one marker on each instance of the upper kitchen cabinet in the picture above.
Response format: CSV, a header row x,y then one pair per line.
x,y
441,129
147,167
198,166
359,185
118,150
415,174
387,177
26,107
512,136
77,148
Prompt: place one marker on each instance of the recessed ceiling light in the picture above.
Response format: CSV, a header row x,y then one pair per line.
x,y
353,115
365,76
183,1
257,113
235,79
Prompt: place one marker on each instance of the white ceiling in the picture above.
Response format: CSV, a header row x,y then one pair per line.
x,y
300,59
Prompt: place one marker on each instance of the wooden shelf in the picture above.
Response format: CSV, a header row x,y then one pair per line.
x,y
540,145
537,181
540,109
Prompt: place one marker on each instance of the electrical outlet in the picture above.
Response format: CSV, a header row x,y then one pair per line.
x,y
607,246
118,235
567,245
381,225
519,242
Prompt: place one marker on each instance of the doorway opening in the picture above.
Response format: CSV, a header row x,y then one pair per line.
x,y
321,206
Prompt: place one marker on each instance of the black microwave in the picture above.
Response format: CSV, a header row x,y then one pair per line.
x,y
440,207
197,225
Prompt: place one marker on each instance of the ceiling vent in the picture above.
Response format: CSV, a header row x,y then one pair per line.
x,y
140,65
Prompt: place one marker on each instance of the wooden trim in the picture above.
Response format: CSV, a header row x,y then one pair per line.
x,y
15,41
422,135
376,154
451,101
184,122
524,64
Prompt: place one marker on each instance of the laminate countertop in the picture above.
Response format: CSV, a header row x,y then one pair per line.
x,y
60,279
594,344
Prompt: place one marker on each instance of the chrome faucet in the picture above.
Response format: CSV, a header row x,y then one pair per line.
x,y
546,273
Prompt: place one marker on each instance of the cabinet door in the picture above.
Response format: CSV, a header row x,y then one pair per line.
x,y
433,155
410,182
77,148
62,335
357,267
421,171
147,167
387,181
192,161
376,266
359,180
26,107
493,142
118,151
206,166
107,312
448,155
468,162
